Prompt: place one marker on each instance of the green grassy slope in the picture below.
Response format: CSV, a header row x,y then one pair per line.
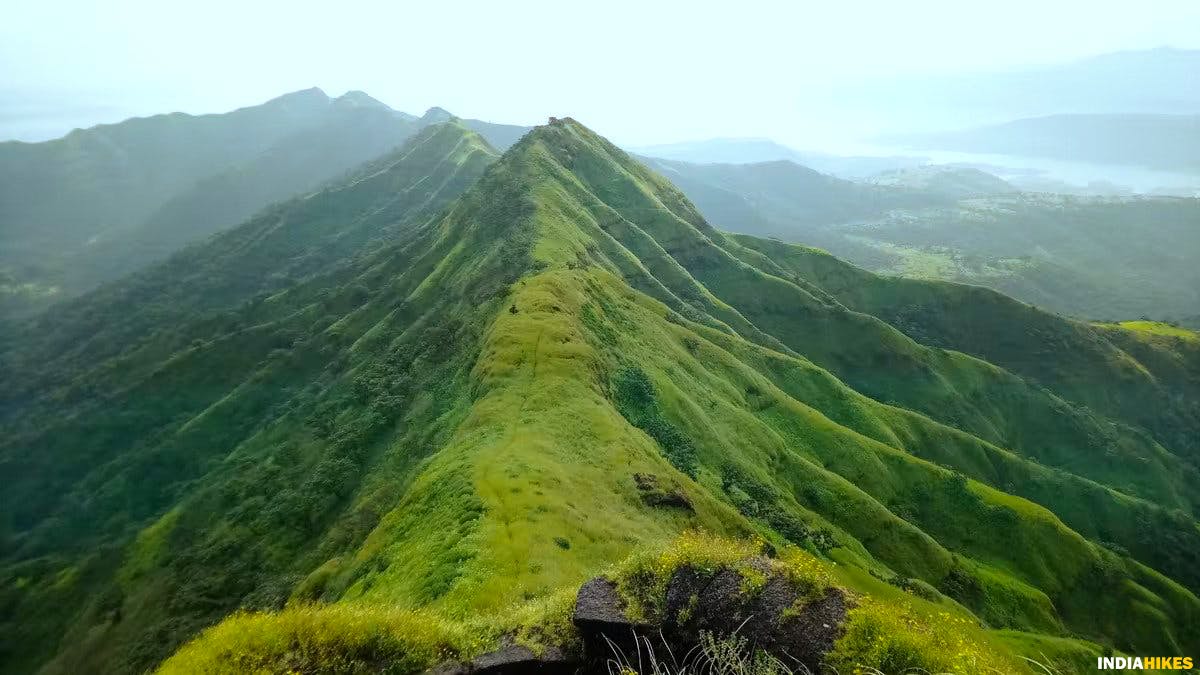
x,y
351,134
1090,257
103,202
60,194
378,203
451,424
1095,258
1080,362
178,401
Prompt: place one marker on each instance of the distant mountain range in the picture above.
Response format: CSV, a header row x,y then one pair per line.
x,y
103,202
1155,81
1089,257
956,182
754,150
750,197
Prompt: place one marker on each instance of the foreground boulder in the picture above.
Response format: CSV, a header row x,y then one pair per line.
x,y
792,621
600,610
757,601
605,627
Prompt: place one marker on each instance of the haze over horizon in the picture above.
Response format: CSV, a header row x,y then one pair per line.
x,y
771,71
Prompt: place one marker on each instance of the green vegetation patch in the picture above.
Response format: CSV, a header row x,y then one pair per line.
x,y
894,634
636,401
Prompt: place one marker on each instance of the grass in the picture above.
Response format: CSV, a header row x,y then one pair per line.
x,y
1082,257
879,638
724,655
342,638
148,548
1065,656
539,405
1032,608
1160,328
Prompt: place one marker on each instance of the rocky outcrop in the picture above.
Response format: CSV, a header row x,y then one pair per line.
x,y
600,609
604,625
794,623
513,659
789,622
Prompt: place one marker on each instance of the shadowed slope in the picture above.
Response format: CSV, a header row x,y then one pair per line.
x,y
296,165
1078,361
102,202
381,202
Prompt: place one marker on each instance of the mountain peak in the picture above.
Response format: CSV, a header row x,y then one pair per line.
x,y
436,114
723,151
555,126
302,96
360,99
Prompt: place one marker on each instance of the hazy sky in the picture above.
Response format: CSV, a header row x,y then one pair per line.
x,y
640,72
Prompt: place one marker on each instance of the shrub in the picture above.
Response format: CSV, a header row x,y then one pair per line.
x,y
340,639
892,639
636,401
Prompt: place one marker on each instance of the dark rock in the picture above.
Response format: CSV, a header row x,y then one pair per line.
x,y
599,607
519,660
606,631
499,661
450,668
683,595
778,617
655,494
785,620
674,498
809,633
723,606
511,660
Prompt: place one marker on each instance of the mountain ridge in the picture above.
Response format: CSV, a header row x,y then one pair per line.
x,y
104,202
1094,258
453,422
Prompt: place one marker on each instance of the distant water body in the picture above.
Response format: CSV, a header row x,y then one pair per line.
x,y
1049,174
